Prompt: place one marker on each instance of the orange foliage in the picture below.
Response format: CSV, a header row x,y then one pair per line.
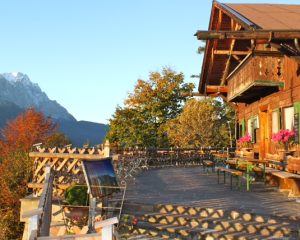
x,y
28,128
15,166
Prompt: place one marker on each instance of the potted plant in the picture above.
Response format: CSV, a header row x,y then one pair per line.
x,y
284,138
76,211
245,142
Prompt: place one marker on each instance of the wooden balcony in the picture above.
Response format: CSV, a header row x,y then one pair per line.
x,y
256,77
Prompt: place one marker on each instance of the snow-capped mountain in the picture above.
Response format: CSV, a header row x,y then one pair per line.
x,y
17,93
17,88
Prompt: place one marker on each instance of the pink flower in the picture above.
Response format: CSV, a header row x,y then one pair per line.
x,y
286,138
283,136
245,140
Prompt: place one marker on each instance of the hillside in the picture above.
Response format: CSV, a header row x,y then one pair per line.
x,y
18,93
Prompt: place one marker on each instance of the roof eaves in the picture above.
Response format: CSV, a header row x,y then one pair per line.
x,y
201,82
245,22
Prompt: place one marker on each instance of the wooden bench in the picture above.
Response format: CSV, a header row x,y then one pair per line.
x,y
231,162
288,182
233,174
208,164
293,164
275,161
244,154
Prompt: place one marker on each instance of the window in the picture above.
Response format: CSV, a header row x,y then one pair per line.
x,y
252,125
288,118
249,126
275,121
255,126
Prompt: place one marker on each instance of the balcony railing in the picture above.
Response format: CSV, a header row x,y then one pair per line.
x,y
256,77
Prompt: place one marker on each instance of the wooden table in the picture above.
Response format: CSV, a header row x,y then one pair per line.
x,y
249,163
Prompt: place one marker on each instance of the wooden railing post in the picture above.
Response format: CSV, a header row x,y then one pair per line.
x,y
33,223
46,203
39,220
106,149
107,227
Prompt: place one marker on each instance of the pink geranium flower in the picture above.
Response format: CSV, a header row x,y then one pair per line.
x,y
283,136
245,140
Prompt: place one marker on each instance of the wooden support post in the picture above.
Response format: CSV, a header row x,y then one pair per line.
x,y
107,227
227,66
106,149
33,223
92,209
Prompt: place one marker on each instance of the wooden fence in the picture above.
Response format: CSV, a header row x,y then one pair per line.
x,y
66,163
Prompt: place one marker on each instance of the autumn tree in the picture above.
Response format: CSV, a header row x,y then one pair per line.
x,y
151,104
15,166
57,139
28,128
202,123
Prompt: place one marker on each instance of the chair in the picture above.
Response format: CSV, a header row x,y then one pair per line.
x,y
106,196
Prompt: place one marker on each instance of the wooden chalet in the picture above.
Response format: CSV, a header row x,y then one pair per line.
x,y
252,60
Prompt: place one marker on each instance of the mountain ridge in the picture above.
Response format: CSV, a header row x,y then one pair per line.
x,y
18,89
17,93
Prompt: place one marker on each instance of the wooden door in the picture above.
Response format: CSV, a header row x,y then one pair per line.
x,y
264,134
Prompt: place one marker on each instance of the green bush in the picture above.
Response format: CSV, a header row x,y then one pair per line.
x,y
77,195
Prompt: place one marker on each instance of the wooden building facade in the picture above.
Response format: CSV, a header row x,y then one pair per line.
x,y
252,60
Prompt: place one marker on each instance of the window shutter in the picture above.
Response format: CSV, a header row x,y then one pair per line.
x,y
296,120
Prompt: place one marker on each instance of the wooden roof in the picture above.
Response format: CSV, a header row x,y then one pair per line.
x,y
270,16
223,55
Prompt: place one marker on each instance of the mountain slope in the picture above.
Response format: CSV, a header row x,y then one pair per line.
x,y
8,111
18,89
82,132
18,93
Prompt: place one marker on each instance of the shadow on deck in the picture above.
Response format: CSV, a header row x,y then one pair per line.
x,y
187,199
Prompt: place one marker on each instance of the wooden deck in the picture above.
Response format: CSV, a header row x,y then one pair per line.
x,y
192,187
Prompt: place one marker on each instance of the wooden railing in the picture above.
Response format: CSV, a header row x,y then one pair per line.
x,y
39,219
259,69
66,162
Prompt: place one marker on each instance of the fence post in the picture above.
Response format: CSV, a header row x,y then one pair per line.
x,y
106,149
32,227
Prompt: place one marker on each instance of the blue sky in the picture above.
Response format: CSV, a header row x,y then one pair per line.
x,y
87,55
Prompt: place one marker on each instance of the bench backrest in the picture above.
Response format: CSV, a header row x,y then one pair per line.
x,y
273,157
293,164
245,154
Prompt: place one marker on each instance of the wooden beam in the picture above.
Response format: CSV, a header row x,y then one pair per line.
x,y
227,66
41,185
244,35
235,16
236,58
227,52
216,89
215,44
238,66
191,94
33,212
90,236
67,155
107,222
